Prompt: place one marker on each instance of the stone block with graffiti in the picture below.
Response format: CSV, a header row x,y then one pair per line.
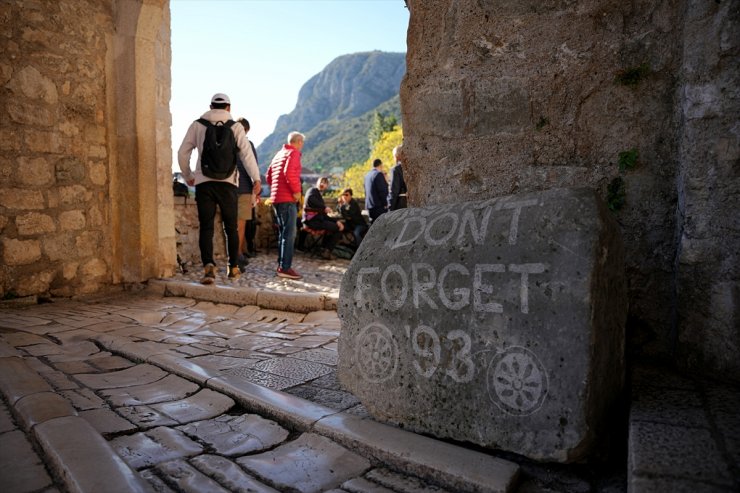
x,y
499,322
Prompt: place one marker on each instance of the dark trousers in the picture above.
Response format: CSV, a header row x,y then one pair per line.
x,y
250,231
358,232
375,213
332,235
208,195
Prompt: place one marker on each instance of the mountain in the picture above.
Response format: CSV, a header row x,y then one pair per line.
x,y
335,110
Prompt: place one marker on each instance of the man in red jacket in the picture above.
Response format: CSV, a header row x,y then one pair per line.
x,y
284,179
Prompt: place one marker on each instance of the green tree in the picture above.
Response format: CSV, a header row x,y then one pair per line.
x,y
354,176
381,124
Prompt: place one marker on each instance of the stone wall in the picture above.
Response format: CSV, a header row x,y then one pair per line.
x,y
85,140
508,96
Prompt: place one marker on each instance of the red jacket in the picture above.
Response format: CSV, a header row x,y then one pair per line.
x,y
284,175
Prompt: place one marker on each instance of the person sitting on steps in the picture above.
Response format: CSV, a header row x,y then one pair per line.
x,y
316,217
352,215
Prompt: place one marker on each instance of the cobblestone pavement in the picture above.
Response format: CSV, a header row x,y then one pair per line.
x,y
319,276
138,391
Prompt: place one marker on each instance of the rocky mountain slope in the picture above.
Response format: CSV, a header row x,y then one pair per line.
x,y
335,109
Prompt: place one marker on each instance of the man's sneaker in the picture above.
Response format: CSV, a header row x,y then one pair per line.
x,y
327,255
235,272
209,277
288,273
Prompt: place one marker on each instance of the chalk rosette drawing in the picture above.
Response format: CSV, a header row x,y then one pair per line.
x,y
377,353
517,381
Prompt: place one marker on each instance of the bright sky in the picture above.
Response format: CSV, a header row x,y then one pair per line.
x,y
260,52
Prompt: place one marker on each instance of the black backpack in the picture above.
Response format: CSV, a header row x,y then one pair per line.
x,y
218,160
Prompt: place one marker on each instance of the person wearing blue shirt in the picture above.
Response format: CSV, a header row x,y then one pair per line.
x,y
376,191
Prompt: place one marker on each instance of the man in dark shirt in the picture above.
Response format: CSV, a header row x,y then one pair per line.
x,y
352,215
376,191
316,217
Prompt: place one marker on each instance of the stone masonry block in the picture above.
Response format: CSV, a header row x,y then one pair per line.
x,y
72,220
21,199
34,223
20,252
498,322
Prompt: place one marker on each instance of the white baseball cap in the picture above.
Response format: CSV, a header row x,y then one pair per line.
x,y
220,98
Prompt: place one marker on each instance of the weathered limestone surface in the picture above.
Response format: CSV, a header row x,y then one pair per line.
x,y
83,174
498,322
511,96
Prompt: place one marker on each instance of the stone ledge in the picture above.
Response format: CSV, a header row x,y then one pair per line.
x,y
84,459
264,298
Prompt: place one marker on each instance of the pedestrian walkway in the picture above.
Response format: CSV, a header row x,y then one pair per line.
x,y
179,387
139,392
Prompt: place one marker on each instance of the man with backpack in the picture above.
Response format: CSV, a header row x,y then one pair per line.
x,y
219,141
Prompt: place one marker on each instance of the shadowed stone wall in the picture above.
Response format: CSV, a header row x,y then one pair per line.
x,y
504,96
85,196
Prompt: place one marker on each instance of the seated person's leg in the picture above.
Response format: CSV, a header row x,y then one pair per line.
x,y
331,235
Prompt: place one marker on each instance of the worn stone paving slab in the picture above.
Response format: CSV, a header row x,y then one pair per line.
x,y
41,407
83,399
229,474
276,316
73,446
295,369
59,380
310,341
75,367
145,417
19,339
261,378
169,388
221,362
192,351
45,348
188,479
335,399
237,435
73,336
251,342
144,317
136,375
310,464
15,321
155,446
159,486
206,404
6,421
112,363
8,351
19,380
22,470
280,350
179,340
318,355
185,368
107,422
